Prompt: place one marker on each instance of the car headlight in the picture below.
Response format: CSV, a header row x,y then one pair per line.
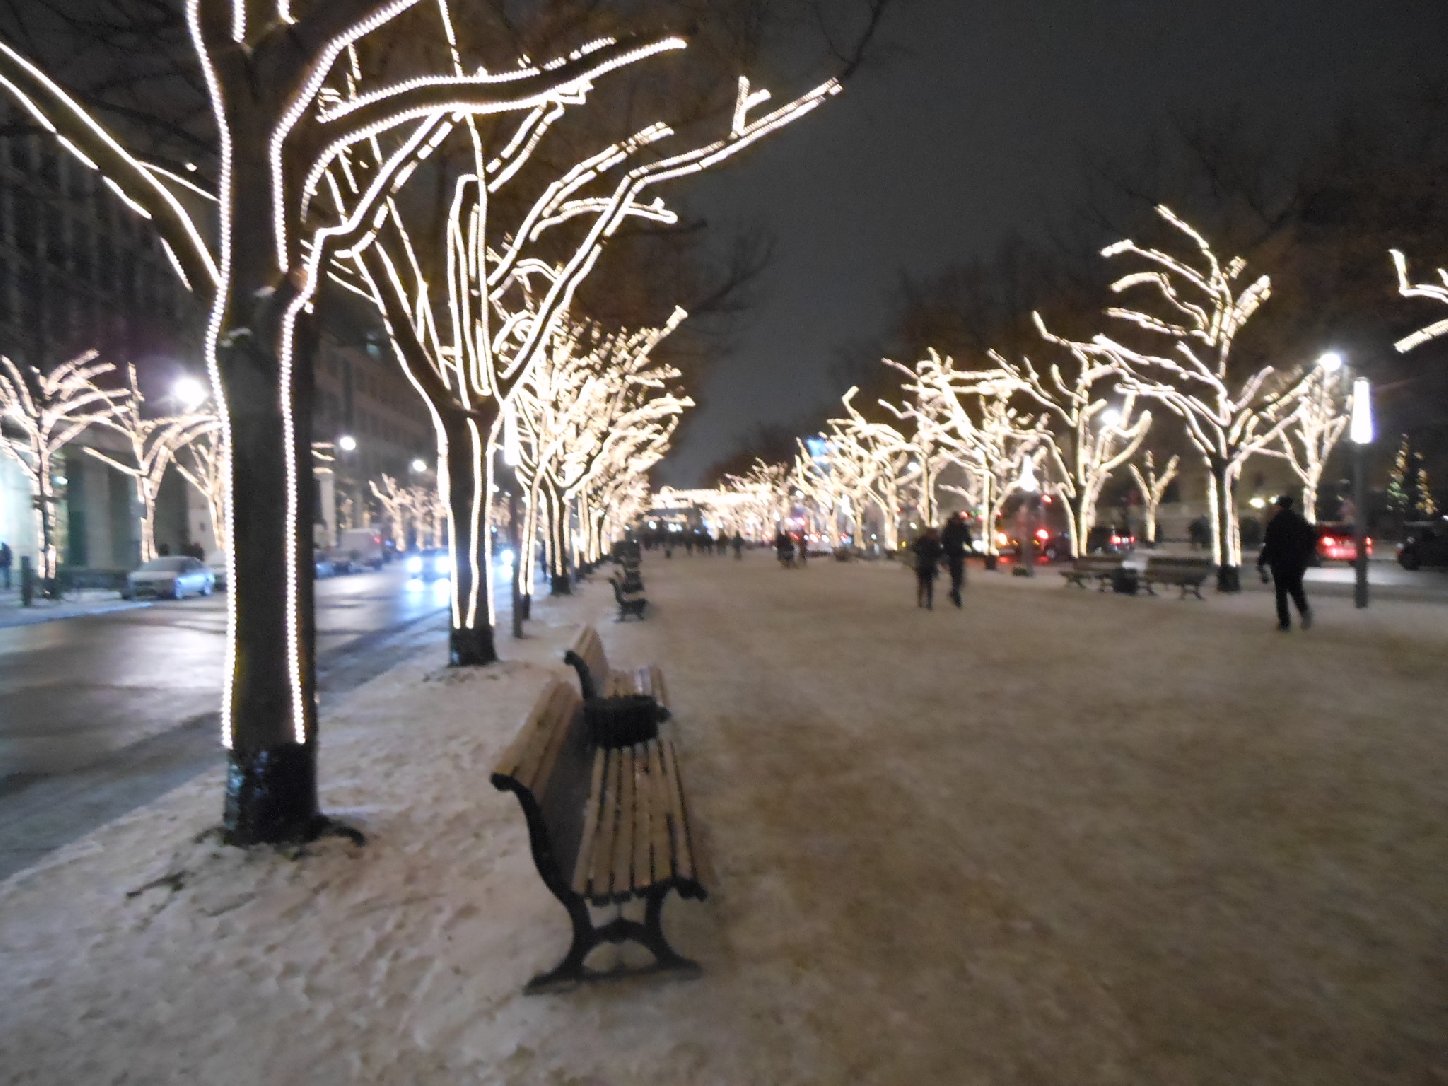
x,y
442,564
413,564
505,557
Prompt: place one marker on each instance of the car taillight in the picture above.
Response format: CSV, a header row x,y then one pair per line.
x,y
1042,534
1329,542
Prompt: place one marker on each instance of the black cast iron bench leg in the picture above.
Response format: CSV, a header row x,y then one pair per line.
x,y
586,936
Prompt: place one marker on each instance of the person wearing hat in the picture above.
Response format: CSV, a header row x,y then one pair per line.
x,y
1287,546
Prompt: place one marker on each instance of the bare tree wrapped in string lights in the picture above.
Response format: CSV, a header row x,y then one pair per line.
x,y
1092,434
1151,485
202,463
1317,420
471,303
291,100
1437,292
586,401
40,414
153,443
1229,415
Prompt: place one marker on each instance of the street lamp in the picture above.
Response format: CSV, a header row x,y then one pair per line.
x,y
189,392
419,465
1360,430
347,443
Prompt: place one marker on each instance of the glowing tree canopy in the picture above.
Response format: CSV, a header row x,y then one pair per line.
x,y
1437,292
40,414
291,101
881,457
1094,428
473,301
1318,418
202,463
1198,307
587,404
153,445
973,424
765,497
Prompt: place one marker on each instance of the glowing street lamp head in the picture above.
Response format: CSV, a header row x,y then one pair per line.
x,y
190,393
1111,418
1330,361
1028,481
419,465
1361,427
347,443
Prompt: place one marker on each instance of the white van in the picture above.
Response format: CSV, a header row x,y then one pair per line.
x,y
358,548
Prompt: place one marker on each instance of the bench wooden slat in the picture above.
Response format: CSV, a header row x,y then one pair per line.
x,y
526,758
681,855
620,881
642,869
583,865
598,883
659,846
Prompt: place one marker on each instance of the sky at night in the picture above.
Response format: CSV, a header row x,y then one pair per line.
x,y
972,127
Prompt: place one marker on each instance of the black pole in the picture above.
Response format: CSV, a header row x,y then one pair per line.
x,y
1360,554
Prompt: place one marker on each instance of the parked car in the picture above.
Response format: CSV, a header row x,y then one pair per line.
x,y
433,564
170,578
1425,543
1337,543
1049,548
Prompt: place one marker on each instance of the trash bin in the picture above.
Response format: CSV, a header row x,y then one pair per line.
x,y
1125,581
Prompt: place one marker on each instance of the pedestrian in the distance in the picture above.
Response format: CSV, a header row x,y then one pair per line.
x,y
955,541
927,552
738,546
803,548
1287,546
6,558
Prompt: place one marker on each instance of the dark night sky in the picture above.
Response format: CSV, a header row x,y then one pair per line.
x,y
972,127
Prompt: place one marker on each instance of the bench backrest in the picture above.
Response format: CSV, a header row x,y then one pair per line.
x,y
588,651
549,767
1099,562
1184,564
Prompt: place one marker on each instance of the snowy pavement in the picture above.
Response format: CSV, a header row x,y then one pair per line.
x,y
1056,837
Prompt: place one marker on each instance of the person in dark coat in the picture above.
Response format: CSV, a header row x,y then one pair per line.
x,y
738,545
784,548
802,546
1287,545
6,558
927,551
955,541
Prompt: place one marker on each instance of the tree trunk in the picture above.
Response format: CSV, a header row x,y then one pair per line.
x,y
469,478
556,516
1224,547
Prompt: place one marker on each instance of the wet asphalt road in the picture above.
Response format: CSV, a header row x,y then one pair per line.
x,y
102,713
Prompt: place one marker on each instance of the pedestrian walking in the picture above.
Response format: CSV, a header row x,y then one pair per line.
x,y
738,546
784,548
6,558
803,546
1287,546
927,551
955,541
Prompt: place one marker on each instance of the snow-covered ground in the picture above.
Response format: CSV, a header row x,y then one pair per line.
x,y
1058,837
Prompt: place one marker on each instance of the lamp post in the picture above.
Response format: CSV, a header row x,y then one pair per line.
x,y
1360,430
1028,483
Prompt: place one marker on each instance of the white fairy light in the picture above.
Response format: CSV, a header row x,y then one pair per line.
x,y
1433,291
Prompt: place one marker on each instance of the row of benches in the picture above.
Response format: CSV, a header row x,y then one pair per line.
x,y
606,825
1108,571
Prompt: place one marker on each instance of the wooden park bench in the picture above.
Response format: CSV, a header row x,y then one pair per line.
x,y
1100,568
606,826
596,679
1186,573
630,601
